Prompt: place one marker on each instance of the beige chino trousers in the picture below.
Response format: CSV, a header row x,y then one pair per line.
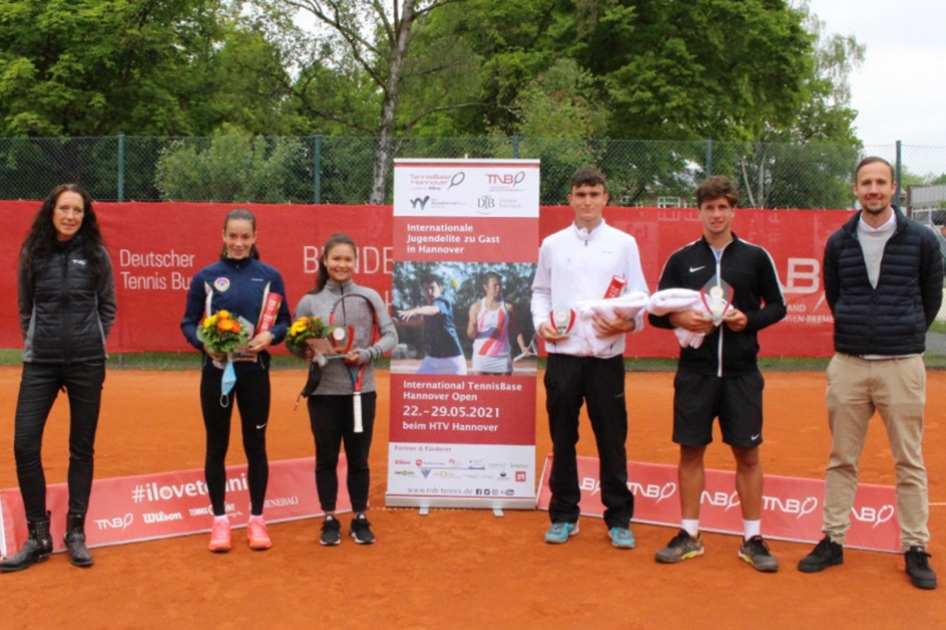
x,y
896,389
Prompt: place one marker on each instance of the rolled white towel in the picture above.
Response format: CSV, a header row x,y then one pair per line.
x,y
673,301
677,301
628,305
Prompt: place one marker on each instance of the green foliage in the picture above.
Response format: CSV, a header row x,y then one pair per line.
x,y
724,69
442,78
759,74
807,162
237,168
163,67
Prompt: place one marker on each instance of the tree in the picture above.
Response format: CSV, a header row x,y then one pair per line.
x,y
807,163
90,67
369,42
82,72
652,70
559,105
232,167
663,70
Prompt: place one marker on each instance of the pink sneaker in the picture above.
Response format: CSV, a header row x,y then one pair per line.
x,y
220,536
256,533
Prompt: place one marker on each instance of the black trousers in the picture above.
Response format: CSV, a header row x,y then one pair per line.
x,y
332,424
599,383
39,388
251,395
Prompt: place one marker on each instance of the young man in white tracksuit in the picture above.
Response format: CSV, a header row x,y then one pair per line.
x,y
579,263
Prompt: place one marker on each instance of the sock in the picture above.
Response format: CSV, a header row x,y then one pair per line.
x,y
753,528
221,518
692,526
256,518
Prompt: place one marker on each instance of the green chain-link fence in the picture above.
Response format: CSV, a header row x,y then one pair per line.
x,y
339,170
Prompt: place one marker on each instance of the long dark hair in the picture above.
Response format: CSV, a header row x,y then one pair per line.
x,y
335,239
43,236
240,214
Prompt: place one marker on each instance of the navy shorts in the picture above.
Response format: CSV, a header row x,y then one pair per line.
x,y
736,400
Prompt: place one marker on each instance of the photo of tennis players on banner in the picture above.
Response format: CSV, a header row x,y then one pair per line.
x,y
463,318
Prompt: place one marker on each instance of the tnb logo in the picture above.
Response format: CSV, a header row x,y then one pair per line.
x,y
877,516
506,179
420,201
115,523
803,277
720,499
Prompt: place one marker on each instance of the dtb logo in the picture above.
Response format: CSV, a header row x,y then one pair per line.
x,y
485,203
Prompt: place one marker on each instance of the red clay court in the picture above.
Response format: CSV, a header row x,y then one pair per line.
x,y
453,568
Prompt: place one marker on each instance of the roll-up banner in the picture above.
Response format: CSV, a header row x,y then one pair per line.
x,y
463,378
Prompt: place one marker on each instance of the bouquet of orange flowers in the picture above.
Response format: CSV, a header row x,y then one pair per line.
x,y
304,329
224,332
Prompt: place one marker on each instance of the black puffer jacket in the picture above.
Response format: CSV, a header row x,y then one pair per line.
x,y
67,305
893,318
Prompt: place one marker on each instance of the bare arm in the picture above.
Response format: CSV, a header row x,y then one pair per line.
x,y
419,310
471,325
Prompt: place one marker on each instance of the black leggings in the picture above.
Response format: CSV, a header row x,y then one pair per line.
x,y
332,423
251,395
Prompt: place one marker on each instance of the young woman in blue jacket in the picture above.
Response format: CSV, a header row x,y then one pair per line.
x,y
241,284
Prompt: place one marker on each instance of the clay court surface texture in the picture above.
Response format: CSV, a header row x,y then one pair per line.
x,y
460,568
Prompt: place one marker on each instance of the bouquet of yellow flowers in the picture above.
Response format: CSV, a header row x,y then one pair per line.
x,y
304,329
306,332
224,332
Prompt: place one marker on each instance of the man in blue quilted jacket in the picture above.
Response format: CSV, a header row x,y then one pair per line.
x,y
883,280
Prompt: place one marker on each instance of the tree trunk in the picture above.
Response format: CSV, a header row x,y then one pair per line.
x,y
384,150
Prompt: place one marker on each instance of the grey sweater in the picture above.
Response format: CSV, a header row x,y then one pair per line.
x,y
335,376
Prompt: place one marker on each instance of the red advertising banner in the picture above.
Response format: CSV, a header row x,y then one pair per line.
x,y
163,505
157,247
791,506
463,412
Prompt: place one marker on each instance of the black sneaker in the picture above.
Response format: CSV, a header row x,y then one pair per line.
x,y
826,553
361,530
918,568
331,531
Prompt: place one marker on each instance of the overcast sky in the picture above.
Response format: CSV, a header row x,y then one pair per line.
x,y
900,89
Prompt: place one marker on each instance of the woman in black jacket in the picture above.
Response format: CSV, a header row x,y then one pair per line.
x,y
66,294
